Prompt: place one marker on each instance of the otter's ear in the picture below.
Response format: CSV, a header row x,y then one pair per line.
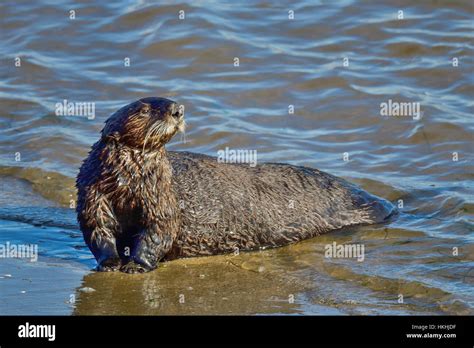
x,y
113,137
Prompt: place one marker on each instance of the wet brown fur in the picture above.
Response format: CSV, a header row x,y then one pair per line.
x,y
139,204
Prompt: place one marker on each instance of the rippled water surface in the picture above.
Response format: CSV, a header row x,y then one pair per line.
x,y
334,64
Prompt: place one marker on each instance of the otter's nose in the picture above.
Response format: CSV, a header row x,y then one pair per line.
x,y
176,111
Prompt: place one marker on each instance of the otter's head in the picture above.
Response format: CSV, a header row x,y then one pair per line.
x,y
148,123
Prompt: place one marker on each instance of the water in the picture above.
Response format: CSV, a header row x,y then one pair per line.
x,y
420,263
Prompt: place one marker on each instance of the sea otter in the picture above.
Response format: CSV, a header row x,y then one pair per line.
x,y
139,204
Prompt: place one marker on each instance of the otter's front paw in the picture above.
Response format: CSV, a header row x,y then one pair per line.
x,y
109,265
134,267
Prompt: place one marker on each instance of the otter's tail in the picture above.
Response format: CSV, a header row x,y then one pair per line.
x,y
371,208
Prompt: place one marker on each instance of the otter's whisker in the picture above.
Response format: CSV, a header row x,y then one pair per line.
x,y
149,134
158,130
145,141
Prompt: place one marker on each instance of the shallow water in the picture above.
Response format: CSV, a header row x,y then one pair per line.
x,y
283,62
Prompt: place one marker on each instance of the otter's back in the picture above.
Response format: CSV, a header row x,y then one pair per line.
x,y
229,206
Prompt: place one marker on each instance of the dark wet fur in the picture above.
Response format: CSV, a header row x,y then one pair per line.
x,y
138,204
